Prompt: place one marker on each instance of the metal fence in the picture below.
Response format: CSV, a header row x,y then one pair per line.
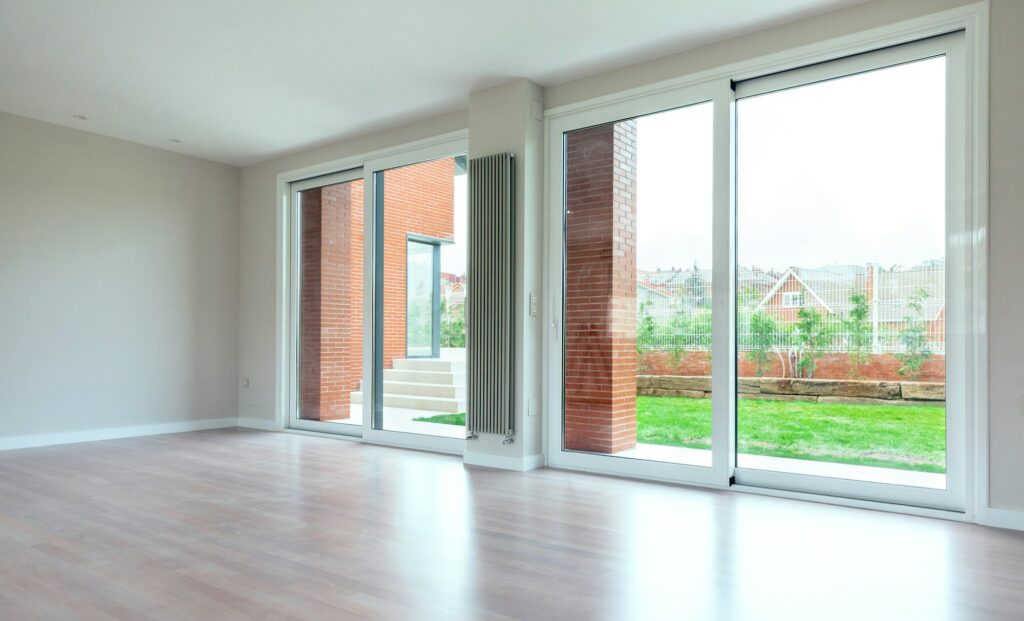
x,y
842,308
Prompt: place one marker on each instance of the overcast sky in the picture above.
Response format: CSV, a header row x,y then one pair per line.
x,y
844,171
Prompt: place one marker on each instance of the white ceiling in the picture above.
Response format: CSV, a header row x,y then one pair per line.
x,y
240,81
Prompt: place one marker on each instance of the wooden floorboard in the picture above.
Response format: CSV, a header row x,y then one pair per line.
x,y
236,524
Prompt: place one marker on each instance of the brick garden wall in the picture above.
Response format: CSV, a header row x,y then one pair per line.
x,y
830,366
600,272
419,199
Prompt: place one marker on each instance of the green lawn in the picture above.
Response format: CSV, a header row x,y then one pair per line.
x,y
906,437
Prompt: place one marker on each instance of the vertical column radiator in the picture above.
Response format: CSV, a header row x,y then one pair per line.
x,y
490,305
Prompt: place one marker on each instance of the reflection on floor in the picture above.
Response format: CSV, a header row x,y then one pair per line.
x,y
245,524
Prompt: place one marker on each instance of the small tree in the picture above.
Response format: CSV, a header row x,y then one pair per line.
x,y
679,330
700,331
913,337
858,333
645,334
762,333
813,336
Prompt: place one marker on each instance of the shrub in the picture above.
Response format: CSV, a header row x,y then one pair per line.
x,y
813,336
762,331
913,338
858,333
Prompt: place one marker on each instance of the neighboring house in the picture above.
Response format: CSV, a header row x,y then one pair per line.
x,y
453,291
656,300
888,292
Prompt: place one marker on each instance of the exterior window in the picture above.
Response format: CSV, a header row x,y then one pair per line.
x,y
793,299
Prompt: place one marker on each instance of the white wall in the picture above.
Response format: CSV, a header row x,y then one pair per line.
x,y
1006,255
508,118
118,284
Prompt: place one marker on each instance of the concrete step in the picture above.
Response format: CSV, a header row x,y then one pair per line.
x,y
414,402
436,365
418,389
425,377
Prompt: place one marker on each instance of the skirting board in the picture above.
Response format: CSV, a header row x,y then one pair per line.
x,y
519,464
1001,518
258,423
111,433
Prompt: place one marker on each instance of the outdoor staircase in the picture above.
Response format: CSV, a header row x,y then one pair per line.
x,y
432,384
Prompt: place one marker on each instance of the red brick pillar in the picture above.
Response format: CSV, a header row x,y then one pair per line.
x,y
331,300
600,319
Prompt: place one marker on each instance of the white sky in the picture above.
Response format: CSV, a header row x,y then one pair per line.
x,y
453,256
845,171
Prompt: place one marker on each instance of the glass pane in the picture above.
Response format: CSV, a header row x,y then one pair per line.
x,y
638,287
331,303
841,285
420,300
423,357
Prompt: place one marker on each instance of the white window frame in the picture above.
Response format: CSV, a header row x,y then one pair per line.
x,y
958,283
287,311
294,327
792,299
970,502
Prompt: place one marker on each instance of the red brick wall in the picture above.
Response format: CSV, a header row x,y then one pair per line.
x,y
418,199
331,299
600,321
882,367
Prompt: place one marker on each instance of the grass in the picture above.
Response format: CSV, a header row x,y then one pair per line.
x,y
905,437
445,419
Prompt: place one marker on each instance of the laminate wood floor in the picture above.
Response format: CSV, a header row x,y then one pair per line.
x,y
237,524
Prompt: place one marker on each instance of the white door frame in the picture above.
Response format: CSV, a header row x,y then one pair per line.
x,y
294,270
973,21
719,94
286,350
957,270
371,353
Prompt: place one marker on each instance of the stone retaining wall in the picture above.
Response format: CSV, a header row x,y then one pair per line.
x,y
820,390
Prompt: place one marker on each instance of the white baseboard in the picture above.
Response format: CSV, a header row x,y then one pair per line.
x,y
501,462
111,433
258,423
1001,518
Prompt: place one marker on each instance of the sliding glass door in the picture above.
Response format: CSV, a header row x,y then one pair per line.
x,y
850,277
378,291
328,303
638,277
764,282
420,299
423,299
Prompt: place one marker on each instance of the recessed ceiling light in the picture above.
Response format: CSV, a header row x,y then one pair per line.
x,y
80,117
174,140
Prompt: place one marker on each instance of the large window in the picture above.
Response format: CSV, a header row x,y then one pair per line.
x,y
765,282
842,258
330,268
421,348
377,257
638,287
